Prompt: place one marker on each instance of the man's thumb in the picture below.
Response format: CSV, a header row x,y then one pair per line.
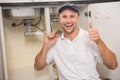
x,y
90,26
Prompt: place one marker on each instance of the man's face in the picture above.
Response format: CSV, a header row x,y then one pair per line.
x,y
68,20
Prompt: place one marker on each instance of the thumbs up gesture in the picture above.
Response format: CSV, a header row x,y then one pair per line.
x,y
93,33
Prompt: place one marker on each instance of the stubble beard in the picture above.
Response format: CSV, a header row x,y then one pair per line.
x,y
69,32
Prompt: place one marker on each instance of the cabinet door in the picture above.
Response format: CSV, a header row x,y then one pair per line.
x,y
106,18
3,67
1,64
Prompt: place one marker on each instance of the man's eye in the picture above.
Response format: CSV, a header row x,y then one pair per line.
x,y
72,16
64,16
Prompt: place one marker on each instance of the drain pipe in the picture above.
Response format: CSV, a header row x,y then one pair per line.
x,y
52,75
47,19
29,30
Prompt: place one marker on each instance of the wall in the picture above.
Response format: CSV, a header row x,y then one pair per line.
x,y
106,18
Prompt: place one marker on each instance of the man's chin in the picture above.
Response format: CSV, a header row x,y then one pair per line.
x,y
68,31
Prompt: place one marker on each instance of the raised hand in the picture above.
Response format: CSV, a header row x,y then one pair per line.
x,y
50,39
93,33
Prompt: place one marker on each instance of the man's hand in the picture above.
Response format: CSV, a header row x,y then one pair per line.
x,y
50,39
93,33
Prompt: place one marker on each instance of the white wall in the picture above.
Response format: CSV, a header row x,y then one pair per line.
x,y
106,18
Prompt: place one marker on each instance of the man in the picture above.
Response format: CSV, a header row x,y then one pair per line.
x,y
76,51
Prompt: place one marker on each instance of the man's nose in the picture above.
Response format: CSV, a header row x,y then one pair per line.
x,y
68,19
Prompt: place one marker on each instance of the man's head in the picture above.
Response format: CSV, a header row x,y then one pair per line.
x,y
69,17
70,6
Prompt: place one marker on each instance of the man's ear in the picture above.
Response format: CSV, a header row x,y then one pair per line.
x,y
78,18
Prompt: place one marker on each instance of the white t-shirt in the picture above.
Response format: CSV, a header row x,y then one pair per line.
x,y
75,60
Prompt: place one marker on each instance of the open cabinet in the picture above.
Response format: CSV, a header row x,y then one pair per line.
x,y
17,51
105,17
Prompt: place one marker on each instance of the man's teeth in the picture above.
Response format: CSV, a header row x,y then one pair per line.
x,y
68,25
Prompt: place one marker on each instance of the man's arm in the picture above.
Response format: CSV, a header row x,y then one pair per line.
x,y
109,58
40,60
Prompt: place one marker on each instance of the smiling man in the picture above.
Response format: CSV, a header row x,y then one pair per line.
x,y
76,51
